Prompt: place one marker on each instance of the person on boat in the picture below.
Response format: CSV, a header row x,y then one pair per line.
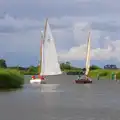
x,y
83,71
78,78
88,78
41,77
33,77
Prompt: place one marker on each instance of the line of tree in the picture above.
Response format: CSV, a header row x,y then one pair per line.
x,y
34,69
68,66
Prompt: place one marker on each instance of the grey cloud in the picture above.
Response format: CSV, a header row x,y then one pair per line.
x,y
45,8
104,26
4,29
59,26
11,29
9,24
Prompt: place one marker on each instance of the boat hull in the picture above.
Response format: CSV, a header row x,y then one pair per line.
x,y
37,81
82,81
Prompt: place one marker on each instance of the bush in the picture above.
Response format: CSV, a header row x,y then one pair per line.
x,y
29,73
118,75
72,72
10,79
94,67
103,74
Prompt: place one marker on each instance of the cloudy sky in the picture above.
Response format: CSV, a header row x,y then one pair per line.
x,y
70,21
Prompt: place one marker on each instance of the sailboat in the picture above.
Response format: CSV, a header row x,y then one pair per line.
x,y
85,78
48,54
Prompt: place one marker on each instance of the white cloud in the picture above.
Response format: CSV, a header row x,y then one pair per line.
x,y
111,51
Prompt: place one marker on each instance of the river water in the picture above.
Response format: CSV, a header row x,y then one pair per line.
x,y
60,99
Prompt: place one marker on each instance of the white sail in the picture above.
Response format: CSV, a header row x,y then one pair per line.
x,y
88,56
50,65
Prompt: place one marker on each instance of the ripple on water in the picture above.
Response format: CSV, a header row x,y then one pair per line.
x,y
98,101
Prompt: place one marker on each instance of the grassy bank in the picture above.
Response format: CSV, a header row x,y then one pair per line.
x,y
29,73
104,74
72,72
69,72
10,79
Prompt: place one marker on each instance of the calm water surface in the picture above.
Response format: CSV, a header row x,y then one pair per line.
x,y
62,100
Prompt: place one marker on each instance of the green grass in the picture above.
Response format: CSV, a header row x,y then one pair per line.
x,y
71,70
11,79
36,73
105,74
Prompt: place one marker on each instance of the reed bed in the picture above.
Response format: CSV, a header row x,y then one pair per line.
x,y
11,79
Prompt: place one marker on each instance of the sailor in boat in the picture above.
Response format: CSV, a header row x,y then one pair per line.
x,y
84,77
78,78
88,78
81,75
33,77
41,77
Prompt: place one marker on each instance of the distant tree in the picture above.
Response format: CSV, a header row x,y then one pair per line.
x,y
84,69
94,67
68,63
62,66
66,66
18,67
3,63
32,69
